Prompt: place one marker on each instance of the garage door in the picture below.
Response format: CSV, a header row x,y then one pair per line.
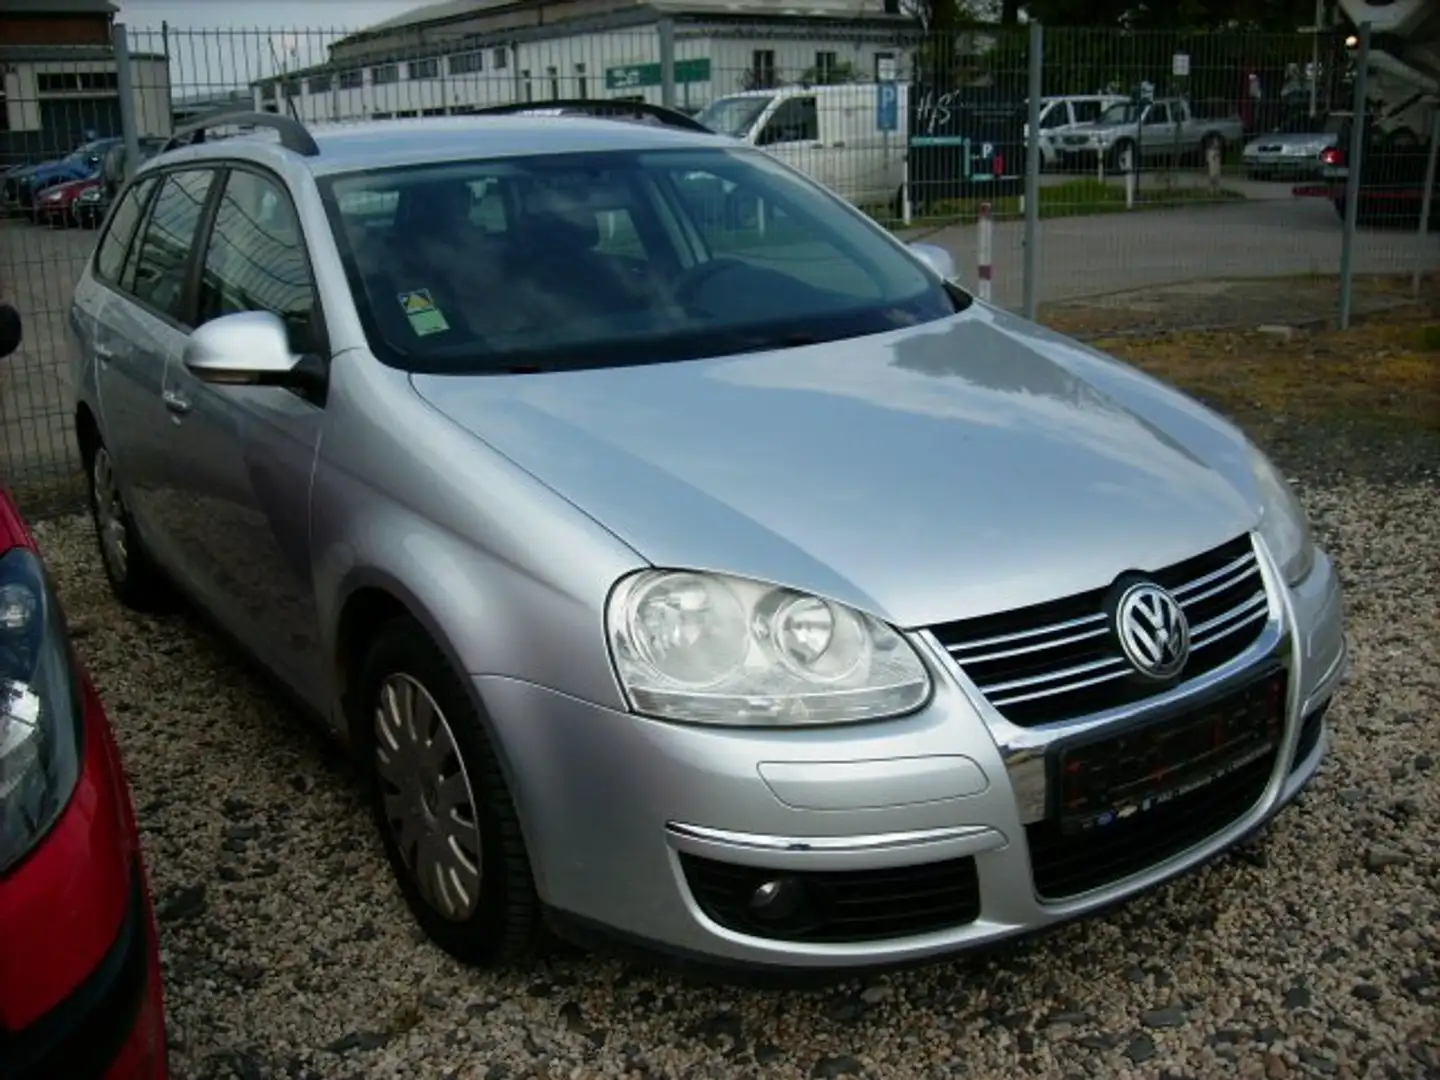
x,y
67,122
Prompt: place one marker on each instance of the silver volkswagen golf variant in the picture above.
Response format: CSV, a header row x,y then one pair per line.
x,y
687,561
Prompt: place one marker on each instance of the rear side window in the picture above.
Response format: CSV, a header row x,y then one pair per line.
x,y
159,268
110,256
1087,112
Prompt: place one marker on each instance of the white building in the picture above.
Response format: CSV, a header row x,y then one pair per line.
x,y
456,56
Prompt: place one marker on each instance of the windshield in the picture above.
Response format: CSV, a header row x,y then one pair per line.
x,y
600,259
733,116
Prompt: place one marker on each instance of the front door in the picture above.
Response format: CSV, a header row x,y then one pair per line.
x,y
242,456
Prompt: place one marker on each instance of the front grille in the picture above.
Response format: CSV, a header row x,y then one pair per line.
x,y
1059,660
838,905
1067,865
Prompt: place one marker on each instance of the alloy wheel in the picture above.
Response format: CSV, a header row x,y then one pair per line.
x,y
429,805
110,515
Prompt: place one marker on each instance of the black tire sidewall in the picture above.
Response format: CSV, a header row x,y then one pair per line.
x,y
505,924
144,588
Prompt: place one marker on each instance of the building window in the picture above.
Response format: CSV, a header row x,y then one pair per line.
x,y
352,80
407,114
762,69
441,111
385,74
500,59
72,81
267,91
554,77
582,83
382,116
467,63
423,69
320,84
529,86
827,66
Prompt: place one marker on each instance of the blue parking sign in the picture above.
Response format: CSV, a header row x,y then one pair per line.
x,y
887,106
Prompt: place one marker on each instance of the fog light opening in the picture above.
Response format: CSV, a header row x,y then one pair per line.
x,y
779,901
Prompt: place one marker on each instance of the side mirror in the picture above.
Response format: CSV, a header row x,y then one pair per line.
x,y
249,348
10,330
937,258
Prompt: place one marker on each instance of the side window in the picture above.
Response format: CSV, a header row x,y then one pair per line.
x,y
1055,115
794,121
1158,114
256,258
1086,112
158,271
115,245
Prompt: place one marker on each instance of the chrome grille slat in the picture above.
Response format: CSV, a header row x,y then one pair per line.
x,y
1023,649
1059,660
1001,639
1065,673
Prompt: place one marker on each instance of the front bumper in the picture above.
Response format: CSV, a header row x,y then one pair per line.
x,y
633,824
112,1025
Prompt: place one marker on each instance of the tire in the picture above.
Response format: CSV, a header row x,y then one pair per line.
x,y
499,923
1117,155
137,582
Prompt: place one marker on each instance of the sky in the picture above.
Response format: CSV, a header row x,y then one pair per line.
x,y
218,45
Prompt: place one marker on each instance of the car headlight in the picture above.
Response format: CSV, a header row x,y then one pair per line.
x,y
89,195
40,708
714,649
1282,521
52,195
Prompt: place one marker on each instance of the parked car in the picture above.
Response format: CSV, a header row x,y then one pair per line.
x,y
80,991
1293,151
79,164
736,585
1392,180
1061,114
1158,131
56,204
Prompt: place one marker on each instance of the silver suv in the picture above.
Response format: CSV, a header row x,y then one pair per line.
x,y
684,558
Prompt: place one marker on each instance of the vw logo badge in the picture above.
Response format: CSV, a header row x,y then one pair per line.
x,y
1153,632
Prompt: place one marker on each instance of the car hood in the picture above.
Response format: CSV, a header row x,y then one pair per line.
x,y
947,470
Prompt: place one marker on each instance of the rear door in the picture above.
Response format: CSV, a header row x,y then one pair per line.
x,y
140,324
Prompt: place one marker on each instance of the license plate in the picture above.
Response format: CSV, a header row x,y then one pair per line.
x,y
1120,776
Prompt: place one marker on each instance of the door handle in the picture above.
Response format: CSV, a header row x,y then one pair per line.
x,y
104,352
176,402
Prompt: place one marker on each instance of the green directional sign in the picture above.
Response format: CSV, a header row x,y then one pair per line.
x,y
635,76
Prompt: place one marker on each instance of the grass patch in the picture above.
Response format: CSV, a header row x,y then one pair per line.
x,y
1382,375
1072,198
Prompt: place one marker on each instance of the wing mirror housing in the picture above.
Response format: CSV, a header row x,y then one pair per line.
x,y
249,348
937,258
10,330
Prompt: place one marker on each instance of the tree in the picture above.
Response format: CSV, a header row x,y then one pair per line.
x,y
1175,14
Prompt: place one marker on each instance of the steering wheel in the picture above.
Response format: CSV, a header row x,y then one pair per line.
x,y
693,279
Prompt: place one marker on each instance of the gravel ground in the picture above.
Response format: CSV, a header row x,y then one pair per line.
x,y
1314,951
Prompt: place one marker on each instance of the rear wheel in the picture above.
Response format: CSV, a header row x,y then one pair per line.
x,y
133,576
448,823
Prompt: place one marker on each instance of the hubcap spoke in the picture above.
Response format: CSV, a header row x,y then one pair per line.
x,y
428,802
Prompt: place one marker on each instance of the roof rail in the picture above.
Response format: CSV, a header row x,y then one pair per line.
x,y
633,111
293,134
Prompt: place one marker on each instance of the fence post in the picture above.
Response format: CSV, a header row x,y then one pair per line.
x,y
1427,198
1032,171
666,30
985,243
125,87
1355,159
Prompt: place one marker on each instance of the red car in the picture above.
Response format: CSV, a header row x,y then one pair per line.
x,y
80,992
56,205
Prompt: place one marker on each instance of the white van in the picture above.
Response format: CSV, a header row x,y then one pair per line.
x,y
830,133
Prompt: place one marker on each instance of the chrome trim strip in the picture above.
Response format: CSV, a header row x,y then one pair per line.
x,y
1000,639
1053,676
1247,561
863,843
1015,699
956,650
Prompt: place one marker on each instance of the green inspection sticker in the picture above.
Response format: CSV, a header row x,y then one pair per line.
x,y
424,316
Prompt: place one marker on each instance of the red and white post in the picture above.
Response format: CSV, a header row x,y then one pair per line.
x,y
985,242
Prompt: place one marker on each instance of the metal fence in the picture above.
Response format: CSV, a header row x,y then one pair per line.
x,y
978,143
